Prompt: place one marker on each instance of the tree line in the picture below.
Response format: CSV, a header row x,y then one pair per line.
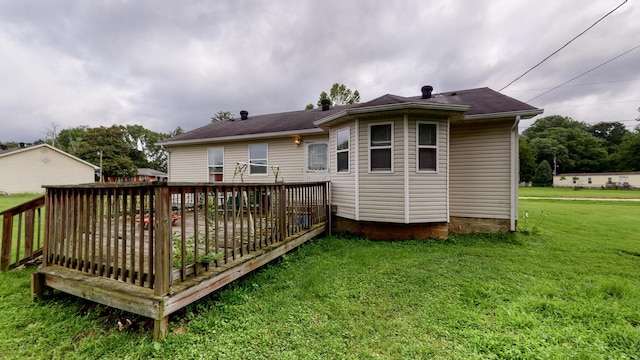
x,y
558,144
122,149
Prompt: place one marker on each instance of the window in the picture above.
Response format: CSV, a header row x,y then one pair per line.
x,y
427,147
216,164
258,159
589,180
380,146
317,157
342,150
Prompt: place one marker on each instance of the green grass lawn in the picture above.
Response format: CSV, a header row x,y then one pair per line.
x,y
9,201
568,289
579,193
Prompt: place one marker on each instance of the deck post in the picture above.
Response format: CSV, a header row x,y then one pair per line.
x,y
7,240
283,213
37,286
160,328
162,241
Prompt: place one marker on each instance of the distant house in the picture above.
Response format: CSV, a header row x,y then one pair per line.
x,y
620,180
26,168
142,175
399,167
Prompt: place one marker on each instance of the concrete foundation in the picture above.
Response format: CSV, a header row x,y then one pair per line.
x,y
391,231
465,225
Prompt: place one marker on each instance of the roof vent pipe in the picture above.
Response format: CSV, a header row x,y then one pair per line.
x,y
244,115
326,104
426,91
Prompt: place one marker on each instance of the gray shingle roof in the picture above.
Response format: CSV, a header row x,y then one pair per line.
x,y
481,101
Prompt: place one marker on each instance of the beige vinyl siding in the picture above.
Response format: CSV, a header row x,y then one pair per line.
x,y
382,194
480,179
190,164
428,191
25,171
343,184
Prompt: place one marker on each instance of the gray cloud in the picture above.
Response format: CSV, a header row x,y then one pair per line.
x,y
164,64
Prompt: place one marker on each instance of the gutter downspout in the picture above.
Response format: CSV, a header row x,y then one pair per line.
x,y
356,151
515,174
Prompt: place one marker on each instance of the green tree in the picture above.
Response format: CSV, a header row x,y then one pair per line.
x,y
340,95
568,144
111,144
628,156
551,150
553,121
145,152
222,115
543,175
611,132
69,139
528,155
585,153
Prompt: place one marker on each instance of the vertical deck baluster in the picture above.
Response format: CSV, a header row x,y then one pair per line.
x,y
101,233
116,233
142,213
207,222
94,220
225,221
234,212
111,200
183,242
196,229
124,244
86,238
135,197
152,236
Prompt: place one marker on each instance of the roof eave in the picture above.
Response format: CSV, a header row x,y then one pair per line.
x,y
244,137
524,114
390,107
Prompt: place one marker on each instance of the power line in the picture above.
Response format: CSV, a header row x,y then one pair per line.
x,y
563,46
585,73
583,84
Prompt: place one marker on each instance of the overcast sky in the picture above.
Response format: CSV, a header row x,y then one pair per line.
x,y
163,64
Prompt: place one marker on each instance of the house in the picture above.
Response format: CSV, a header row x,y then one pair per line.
x,y
142,175
26,168
399,167
622,180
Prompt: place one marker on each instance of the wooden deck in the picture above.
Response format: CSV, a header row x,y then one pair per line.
x,y
152,249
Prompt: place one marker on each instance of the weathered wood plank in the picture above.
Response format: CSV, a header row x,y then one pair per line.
x,y
193,289
113,293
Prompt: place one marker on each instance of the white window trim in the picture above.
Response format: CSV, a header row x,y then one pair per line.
x,y
418,147
380,147
347,150
266,166
209,161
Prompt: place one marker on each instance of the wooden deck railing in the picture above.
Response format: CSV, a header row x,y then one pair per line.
x,y
156,235
22,233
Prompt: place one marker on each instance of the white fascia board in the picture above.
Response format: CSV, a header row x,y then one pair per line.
x,y
245,137
391,107
525,114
